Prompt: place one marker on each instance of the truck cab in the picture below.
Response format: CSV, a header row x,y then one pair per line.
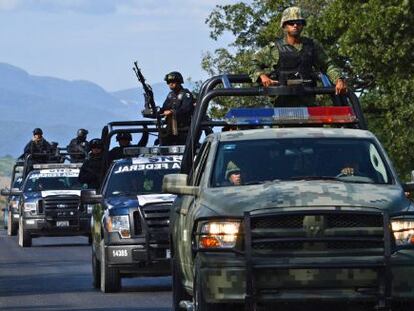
x,y
130,222
49,203
316,213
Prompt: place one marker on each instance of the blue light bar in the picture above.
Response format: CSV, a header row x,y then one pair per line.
x,y
250,115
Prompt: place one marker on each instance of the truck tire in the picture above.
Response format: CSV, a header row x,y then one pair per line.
x,y
90,239
25,240
5,218
110,277
179,292
11,226
96,271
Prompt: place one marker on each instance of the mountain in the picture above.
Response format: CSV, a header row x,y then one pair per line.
x,y
58,106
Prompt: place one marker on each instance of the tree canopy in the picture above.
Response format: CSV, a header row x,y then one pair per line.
x,y
372,40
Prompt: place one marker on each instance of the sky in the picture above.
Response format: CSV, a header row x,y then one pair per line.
x,y
98,40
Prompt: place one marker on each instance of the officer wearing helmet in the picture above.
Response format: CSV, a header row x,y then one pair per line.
x,y
79,146
124,140
177,108
294,57
91,172
39,148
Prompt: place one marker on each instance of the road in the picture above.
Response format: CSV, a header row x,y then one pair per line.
x,y
55,274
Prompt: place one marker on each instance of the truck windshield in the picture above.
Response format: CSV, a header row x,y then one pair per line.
x,y
260,161
128,180
36,183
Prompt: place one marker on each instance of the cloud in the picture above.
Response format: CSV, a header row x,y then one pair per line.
x,y
59,6
189,8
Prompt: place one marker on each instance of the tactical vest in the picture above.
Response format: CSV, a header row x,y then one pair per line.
x,y
295,64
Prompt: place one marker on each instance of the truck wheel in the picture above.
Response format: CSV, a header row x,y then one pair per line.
x,y
110,277
179,292
11,226
89,239
5,218
25,240
96,271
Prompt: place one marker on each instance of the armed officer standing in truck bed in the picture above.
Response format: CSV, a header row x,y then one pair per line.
x,y
177,108
91,172
39,148
79,146
294,57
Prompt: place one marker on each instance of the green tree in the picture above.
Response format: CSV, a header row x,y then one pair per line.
x,y
373,40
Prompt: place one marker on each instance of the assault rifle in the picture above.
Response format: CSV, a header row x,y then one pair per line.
x,y
150,110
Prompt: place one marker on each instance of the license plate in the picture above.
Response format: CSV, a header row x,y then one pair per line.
x,y
120,253
168,254
62,223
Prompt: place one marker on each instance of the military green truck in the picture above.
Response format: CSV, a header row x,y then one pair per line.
x,y
303,215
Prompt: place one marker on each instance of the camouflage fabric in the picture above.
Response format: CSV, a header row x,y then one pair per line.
x,y
266,60
293,13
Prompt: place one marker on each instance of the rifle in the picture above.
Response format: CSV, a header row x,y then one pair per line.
x,y
150,110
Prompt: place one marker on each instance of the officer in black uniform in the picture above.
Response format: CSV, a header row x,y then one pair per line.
x,y
38,148
79,146
177,108
124,140
91,172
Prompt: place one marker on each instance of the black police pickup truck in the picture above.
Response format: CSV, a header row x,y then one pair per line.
x,y
49,203
130,220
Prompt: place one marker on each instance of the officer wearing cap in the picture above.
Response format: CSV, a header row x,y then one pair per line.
x,y
91,172
39,148
124,140
177,108
79,146
294,57
233,174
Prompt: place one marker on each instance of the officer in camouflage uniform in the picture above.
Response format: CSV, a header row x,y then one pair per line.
x,y
39,148
294,57
91,172
79,146
177,108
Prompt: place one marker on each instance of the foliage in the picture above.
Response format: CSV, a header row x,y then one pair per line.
x,y
6,165
372,40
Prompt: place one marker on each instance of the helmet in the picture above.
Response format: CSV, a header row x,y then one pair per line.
x,y
293,13
82,133
37,131
174,76
123,135
231,169
96,143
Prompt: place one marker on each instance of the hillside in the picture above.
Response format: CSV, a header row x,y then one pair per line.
x,y
58,106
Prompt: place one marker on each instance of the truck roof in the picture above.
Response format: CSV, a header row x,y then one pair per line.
x,y
270,133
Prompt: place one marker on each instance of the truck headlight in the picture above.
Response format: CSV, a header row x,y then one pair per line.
x,y
30,207
119,224
219,234
403,230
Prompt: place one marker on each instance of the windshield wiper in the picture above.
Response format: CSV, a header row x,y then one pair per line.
x,y
315,178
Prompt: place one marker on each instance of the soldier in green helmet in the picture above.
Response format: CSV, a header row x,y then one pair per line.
x,y
294,57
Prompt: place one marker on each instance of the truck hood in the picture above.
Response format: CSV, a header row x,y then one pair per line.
x,y
155,198
234,201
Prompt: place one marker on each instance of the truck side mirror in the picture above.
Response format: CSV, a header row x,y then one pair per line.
x,y
5,192
177,184
89,196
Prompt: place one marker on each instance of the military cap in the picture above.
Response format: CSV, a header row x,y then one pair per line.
x,y
96,143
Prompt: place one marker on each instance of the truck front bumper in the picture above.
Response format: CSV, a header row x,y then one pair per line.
x,y
223,278
44,227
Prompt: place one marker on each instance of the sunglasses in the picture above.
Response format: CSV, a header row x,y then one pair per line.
x,y
292,23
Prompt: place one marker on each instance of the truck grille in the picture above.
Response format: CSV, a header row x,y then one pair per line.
x,y
312,233
61,207
157,217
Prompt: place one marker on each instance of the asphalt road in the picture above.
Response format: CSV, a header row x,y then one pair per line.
x,y
55,274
